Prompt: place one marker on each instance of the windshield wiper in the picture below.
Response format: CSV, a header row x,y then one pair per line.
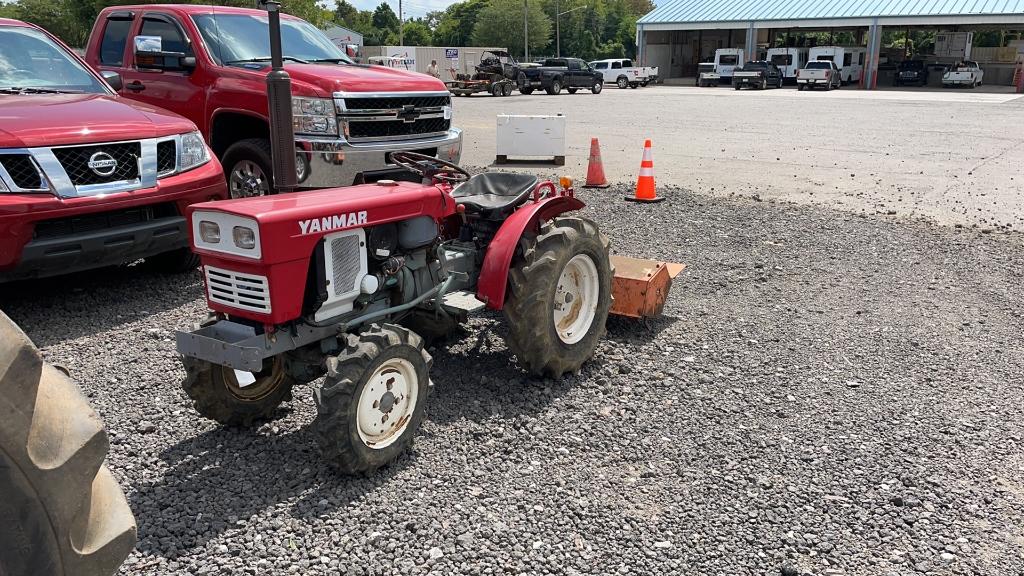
x,y
267,59
32,90
335,60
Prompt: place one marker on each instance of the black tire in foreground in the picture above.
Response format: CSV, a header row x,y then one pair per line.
x,y
597,87
218,394
177,261
559,296
62,512
373,399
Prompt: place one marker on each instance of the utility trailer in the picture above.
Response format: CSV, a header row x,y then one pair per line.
x,y
497,74
464,86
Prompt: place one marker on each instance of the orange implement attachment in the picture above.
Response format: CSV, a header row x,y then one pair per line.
x,y
640,287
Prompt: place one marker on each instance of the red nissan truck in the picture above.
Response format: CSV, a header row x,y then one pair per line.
x,y
87,178
209,64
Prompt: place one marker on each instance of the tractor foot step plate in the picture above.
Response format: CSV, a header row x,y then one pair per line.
x,y
462,301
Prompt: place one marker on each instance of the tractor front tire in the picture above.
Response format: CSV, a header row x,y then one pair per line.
x,y
373,399
559,296
63,513
217,394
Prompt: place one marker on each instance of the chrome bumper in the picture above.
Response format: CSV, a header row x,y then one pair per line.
x,y
329,162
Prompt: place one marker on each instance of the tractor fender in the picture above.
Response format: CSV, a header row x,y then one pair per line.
x,y
493,280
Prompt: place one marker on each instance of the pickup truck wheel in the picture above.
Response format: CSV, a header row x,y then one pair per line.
x,y
555,87
63,512
234,397
597,87
736,87
373,399
572,90
526,91
248,168
559,296
764,83
622,82
800,87
177,261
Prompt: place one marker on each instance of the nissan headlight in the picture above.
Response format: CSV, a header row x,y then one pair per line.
x,y
314,116
193,151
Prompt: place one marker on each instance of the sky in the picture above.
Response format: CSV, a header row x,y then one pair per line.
x,y
410,8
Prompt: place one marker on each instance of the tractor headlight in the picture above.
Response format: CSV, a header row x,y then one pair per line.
x,y
209,232
244,237
226,233
314,116
194,152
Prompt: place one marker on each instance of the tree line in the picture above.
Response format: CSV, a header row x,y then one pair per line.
x,y
595,29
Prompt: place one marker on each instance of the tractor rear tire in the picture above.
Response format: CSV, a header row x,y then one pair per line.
x,y
63,513
568,253
217,394
380,370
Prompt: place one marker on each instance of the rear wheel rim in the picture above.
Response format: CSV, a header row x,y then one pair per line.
x,y
248,179
576,299
254,386
387,403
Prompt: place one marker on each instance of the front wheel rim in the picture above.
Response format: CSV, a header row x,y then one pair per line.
x,y
247,179
387,403
576,299
254,386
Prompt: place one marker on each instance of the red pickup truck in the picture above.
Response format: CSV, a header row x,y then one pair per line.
x,y
209,64
87,178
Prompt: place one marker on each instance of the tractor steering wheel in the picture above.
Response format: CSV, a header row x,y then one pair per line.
x,y
430,167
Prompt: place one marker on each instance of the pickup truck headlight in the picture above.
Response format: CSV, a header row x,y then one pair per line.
x,y
194,152
314,116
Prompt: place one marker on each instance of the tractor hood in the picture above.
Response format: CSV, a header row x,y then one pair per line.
x,y
290,225
331,78
32,120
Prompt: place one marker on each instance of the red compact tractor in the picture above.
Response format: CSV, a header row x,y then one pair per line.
x,y
345,283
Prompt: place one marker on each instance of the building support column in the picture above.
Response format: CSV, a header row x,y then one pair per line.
x,y
870,79
639,44
751,46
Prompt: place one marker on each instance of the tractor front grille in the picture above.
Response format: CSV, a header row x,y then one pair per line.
x,y
237,290
76,160
345,264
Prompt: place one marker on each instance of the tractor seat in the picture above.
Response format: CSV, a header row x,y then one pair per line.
x,y
492,192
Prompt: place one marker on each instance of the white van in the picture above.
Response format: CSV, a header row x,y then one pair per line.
x,y
727,60
849,60
789,60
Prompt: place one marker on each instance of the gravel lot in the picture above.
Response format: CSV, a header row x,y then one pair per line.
x,y
827,393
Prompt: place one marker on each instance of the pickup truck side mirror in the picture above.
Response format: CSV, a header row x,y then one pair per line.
x,y
114,79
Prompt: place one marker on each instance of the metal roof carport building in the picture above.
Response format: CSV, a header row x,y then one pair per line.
x,y
745,18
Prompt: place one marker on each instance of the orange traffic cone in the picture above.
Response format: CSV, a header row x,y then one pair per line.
x,y
645,183
595,170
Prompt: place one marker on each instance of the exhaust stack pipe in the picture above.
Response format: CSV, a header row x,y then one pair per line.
x,y
279,96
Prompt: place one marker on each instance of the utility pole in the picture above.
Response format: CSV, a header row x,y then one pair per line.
x,y
526,30
401,25
558,36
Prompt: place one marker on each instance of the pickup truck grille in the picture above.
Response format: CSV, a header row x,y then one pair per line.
x,y
393,116
166,157
75,161
23,171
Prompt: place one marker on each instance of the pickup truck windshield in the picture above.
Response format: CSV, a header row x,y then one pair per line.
x,y
911,65
755,65
31,63
820,65
238,38
556,62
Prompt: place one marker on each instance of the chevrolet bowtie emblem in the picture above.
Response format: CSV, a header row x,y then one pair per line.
x,y
408,114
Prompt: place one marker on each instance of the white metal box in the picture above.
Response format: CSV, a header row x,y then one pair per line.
x,y
531,137
954,45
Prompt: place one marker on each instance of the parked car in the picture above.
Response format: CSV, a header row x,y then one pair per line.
x,y
789,60
848,59
727,60
911,72
557,73
823,73
622,73
758,74
347,118
88,178
706,74
967,73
